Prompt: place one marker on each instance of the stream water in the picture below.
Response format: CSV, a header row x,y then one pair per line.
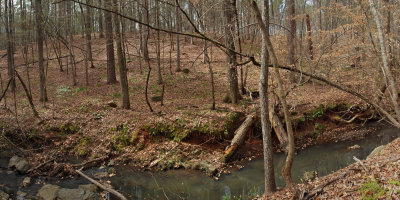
x,y
240,184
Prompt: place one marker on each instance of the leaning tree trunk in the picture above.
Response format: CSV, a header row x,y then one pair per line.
x,y
269,175
39,35
239,138
121,61
387,73
286,171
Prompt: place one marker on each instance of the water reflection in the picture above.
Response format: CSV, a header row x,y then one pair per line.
x,y
247,182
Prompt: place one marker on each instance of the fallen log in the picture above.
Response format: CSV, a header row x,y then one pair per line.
x,y
278,127
110,190
239,138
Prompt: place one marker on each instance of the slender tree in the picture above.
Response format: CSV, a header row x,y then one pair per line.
x,y
291,34
111,76
100,19
178,24
121,60
39,35
269,176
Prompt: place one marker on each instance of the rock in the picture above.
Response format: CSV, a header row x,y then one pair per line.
x,y
88,188
21,194
92,196
112,104
4,195
70,194
376,151
8,190
353,147
22,166
13,161
100,175
26,182
49,192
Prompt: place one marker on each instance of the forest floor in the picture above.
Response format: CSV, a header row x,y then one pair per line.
x,y
376,177
82,121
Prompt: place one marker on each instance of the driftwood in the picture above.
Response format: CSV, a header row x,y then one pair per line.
x,y
239,138
85,164
103,187
278,127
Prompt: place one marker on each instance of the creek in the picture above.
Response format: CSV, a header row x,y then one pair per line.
x,y
239,184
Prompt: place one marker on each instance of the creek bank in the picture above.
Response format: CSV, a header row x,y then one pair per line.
x,y
199,145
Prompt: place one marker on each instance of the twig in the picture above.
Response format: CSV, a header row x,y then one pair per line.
x,y
39,166
88,162
110,190
361,163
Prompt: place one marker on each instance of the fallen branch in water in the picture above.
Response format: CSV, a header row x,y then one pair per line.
x,y
103,187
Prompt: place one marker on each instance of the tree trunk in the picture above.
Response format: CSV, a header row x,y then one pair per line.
x,y
121,61
239,138
88,31
387,73
158,45
39,35
269,175
100,18
286,171
178,29
10,46
309,40
291,14
111,76
229,15
278,127
145,30
71,41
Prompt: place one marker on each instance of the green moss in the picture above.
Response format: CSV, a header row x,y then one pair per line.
x,y
233,118
371,190
124,137
68,129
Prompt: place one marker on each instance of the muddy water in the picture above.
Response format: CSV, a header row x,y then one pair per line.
x,y
244,183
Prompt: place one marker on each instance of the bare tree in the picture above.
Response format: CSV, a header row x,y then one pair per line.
x,y
178,24
39,35
286,171
10,46
100,19
111,77
387,73
291,14
121,60
269,175
229,15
